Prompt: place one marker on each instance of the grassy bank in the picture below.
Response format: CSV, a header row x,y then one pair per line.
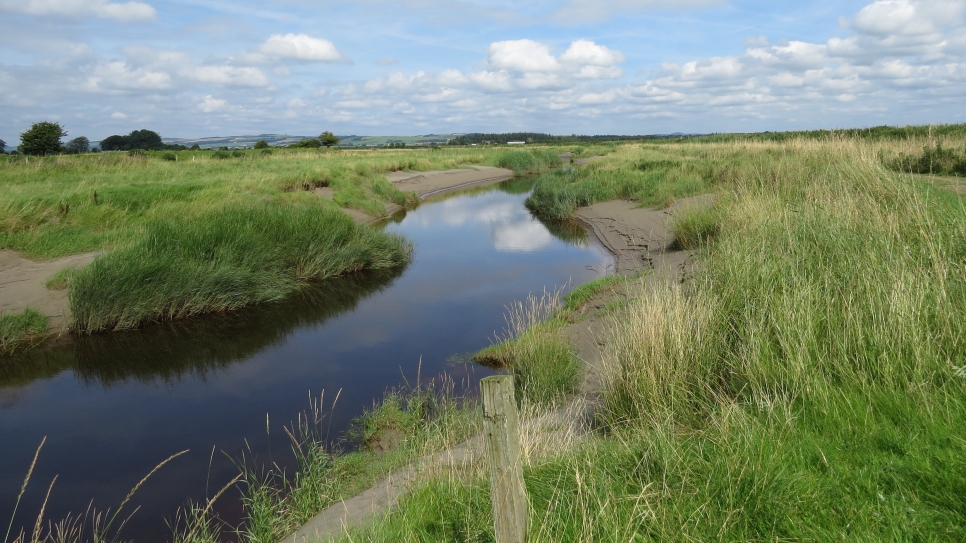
x,y
18,330
807,384
225,260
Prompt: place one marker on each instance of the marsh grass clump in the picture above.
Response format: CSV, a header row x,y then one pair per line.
x,y
524,162
544,366
224,260
695,227
558,194
22,329
933,160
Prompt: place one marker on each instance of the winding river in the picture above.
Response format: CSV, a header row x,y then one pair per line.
x,y
114,406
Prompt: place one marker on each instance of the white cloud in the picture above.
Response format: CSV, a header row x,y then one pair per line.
x,y
301,47
522,56
387,61
210,104
118,75
908,17
101,9
589,53
118,115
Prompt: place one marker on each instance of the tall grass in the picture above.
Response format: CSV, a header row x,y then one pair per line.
x,y
533,161
808,384
224,260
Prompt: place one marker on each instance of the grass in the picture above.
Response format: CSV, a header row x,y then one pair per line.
x,y
808,384
558,194
544,366
19,330
224,260
427,417
693,228
526,162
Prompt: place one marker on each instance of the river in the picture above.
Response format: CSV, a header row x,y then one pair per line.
x,y
113,406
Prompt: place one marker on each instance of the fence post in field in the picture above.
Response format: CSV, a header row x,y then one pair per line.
x,y
501,433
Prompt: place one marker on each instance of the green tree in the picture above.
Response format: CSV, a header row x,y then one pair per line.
x,y
261,144
42,138
196,147
78,146
329,139
3,147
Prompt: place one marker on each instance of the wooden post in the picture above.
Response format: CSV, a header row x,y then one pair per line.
x,y
501,431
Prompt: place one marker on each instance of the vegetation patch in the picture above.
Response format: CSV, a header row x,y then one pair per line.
x,y
19,330
695,227
933,160
224,260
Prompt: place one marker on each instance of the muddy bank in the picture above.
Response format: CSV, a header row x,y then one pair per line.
x,y
23,283
640,238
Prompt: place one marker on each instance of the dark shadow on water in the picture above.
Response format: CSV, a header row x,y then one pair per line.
x,y
192,348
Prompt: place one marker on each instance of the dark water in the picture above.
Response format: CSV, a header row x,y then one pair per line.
x,y
114,406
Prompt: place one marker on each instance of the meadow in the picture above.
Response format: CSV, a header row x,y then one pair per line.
x,y
807,382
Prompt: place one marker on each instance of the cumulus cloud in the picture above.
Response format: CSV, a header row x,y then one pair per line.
x,y
301,47
589,53
522,56
101,9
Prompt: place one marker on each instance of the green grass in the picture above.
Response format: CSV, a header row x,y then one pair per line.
x,y
18,330
558,194
427,417
224,260
61,279
525,162
62,205
693,228
809,384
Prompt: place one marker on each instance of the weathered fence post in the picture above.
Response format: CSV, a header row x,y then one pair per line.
x,y
501,431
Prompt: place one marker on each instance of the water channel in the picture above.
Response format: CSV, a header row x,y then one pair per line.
x,y
113,406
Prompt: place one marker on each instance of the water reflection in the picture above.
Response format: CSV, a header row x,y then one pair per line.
x,y
192,348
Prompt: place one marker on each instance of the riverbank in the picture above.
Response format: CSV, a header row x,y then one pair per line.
x,y
752,402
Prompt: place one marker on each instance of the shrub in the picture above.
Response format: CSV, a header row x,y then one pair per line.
x,y
220,155
237,154
169,156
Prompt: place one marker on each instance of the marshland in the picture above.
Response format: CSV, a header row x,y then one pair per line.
x,y
801,377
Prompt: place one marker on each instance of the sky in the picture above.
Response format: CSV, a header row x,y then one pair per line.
x,y
409,67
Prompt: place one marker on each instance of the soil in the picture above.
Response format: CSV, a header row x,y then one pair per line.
x,y
23,283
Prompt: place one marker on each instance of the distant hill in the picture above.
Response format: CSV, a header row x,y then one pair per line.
x,y
276,140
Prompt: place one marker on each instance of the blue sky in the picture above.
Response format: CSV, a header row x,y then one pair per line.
x,y
406,67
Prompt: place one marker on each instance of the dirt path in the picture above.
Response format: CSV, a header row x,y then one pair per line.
x,y
23,283
640,239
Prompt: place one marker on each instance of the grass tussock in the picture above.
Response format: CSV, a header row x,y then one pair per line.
x,y
19,330
695,227
222,261
532,161
545,367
